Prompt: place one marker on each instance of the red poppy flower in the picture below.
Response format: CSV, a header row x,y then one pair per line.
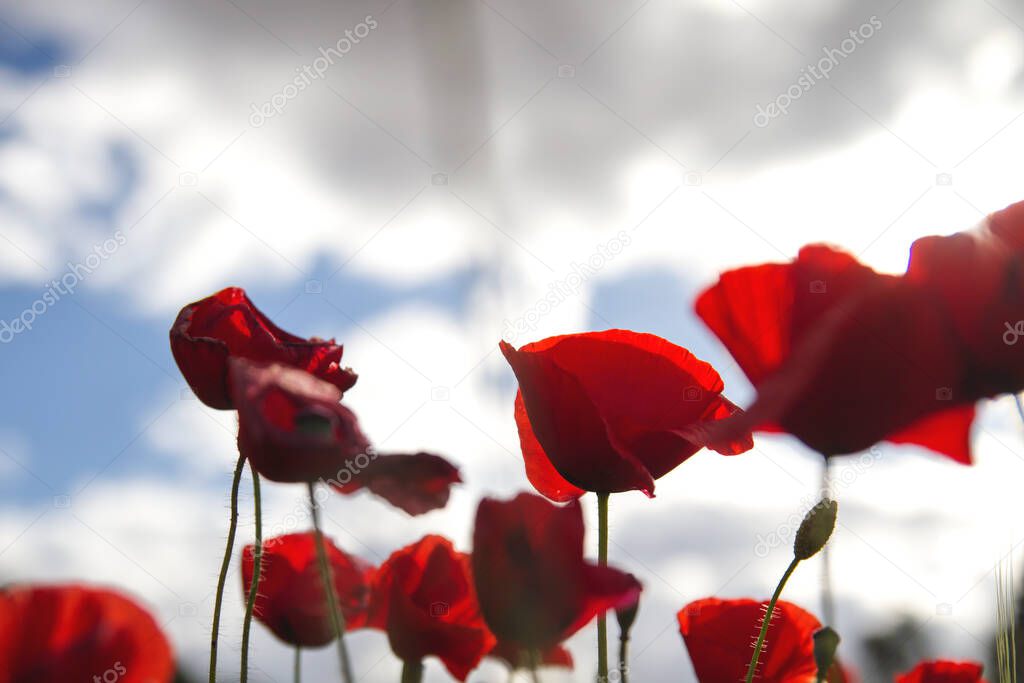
x,y
75,633
842,356
423,598
291,426
718,635
291,600
979,276
535,588
612,411
943,672
209,331
515,657
416,483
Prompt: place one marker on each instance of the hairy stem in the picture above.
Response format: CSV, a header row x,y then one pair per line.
x,y
337,618
257,566
768,620
228,550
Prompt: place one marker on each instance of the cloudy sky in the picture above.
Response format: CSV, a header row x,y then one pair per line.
x,y
412,177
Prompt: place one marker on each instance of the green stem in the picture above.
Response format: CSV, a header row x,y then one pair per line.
x,y
298,664
768,619
225,563
257,562
534,666
828,605
337,618
602,559
412,672
624,658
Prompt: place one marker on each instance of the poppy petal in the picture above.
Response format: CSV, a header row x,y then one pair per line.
x,y
539,470
943,671
718,634
842,357
290,424
534,586
563,417
415,483
227,324
423,598
291,600
65,632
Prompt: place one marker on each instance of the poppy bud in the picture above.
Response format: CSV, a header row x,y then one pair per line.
x,y
826,640
816,529
626,616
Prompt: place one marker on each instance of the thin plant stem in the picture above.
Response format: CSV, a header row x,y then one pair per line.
x,y
828,606
412,672
624,658
534,666
768,619
602,559
257,566
298,665
337,618
225,563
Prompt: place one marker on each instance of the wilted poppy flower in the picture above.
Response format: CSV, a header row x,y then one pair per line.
x,y
291,426
290,599
718,635
416,483
226,324
75,633
842,356
423,598
612,411
535,588
979,278
943,672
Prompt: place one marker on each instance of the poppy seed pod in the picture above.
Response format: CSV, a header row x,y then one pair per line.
x,y
826,642
626,616
815,529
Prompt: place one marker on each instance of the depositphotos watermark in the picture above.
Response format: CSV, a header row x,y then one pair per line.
x,y
570,285
1013,332
74,273
812,74
111,675
313,71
